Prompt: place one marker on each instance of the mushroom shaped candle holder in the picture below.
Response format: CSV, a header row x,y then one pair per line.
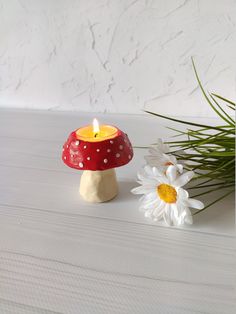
x,y
97,151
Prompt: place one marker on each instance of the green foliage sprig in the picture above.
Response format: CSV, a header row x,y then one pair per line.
x,y
208,150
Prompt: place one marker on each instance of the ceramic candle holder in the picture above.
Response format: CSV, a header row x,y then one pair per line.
x,y
97,151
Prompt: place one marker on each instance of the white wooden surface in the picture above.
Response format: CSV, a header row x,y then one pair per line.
x,y
59,254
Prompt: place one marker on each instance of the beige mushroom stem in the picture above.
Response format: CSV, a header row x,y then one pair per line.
x,y
98,186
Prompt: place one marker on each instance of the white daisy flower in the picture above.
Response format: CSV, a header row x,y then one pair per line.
x,y
160,158
164,197
162,147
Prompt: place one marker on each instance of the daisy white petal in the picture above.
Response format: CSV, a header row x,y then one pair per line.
x,y
150,196
155,152
180,168
148,213
141,175
150,204
180,219
167,215
162,147
153,200
147,199
142,189
188,219
158,211
191,202
185,216
183,194
171,158
174,210
171,173
148,181
142,198
183,179
148,170
156,172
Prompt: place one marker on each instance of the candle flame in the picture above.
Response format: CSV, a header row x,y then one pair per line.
x,y
96,128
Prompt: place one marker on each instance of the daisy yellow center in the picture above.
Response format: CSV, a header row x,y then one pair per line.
x,y
167,193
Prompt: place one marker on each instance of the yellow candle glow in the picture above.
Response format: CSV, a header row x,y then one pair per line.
x,y
96,132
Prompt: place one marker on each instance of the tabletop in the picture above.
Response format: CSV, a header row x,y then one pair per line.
x,y
59,254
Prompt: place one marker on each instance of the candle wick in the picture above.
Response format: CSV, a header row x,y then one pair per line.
x,y
96,134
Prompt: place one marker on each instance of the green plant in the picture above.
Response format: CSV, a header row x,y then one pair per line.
x,y
208,150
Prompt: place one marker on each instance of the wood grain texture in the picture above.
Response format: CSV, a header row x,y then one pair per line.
x,y
61,255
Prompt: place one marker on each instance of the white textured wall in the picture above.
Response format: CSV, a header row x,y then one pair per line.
x,y
116,55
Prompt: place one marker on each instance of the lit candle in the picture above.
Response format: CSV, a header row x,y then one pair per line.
x,y
97,149
96,132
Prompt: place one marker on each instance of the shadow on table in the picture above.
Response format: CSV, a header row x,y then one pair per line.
x,y
221,215
124,191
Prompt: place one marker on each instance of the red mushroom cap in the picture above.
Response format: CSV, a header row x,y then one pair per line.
x,y
100,155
